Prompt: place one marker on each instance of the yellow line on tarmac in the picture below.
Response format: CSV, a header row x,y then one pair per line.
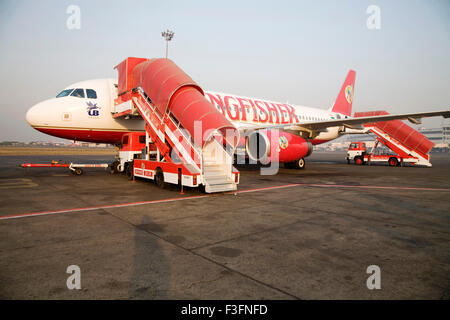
x,y
17,183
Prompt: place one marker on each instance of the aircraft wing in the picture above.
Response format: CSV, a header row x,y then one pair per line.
x,y
352,123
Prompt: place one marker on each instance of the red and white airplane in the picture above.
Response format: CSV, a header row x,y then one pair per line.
x,y
84,111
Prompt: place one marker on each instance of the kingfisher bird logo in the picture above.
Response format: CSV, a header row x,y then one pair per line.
x,y
349,93
93,109
283,142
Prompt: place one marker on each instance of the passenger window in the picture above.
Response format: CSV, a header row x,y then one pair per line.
x,y
79,93
141,139
91,94
64,93
125,140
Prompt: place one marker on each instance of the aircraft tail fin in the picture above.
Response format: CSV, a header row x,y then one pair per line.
x,y
344,100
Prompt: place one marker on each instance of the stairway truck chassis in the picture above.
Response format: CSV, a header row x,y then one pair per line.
x,y
134,159
163,172
357,152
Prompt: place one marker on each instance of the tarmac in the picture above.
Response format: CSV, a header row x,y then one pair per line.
x,y
300,234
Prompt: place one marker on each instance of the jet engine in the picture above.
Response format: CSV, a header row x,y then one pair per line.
x,y
273,145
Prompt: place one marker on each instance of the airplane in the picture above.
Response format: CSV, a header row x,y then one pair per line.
x,y
84,111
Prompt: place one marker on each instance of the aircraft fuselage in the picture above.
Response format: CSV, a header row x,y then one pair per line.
x,y
84,112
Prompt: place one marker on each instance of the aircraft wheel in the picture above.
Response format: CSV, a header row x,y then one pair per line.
x,y
159,178
300,164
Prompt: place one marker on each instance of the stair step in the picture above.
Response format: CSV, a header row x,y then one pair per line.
x,y
215,175
211,164
220,188
208,168
217,180
215,168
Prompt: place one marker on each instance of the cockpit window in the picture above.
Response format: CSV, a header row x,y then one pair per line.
x,y
91,94
79,93
64,93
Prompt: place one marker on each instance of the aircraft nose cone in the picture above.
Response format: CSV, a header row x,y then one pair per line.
x,y
35,115
32,116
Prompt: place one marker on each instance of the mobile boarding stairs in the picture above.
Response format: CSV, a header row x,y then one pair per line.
x,y
409,145
193,144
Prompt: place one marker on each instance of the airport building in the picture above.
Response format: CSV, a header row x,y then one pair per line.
x,y
439,136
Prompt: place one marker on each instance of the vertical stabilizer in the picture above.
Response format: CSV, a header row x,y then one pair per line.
x,y
344,100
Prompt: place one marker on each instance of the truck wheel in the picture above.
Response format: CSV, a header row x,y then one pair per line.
x,y
358,160
393,162
159,178
129,171
300,164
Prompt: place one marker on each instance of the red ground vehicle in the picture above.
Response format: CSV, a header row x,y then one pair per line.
x,y
132,147
168,151
357,151
405,144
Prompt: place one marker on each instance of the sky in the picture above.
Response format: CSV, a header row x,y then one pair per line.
x,y
287,51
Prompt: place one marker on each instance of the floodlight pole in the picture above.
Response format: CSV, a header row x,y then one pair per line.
x,y
168,35
167,48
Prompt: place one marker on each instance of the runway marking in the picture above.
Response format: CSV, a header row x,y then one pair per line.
x,y
371,187
340,186
265,188
131,204
17,183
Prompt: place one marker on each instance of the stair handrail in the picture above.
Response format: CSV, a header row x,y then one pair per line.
x,y
177,124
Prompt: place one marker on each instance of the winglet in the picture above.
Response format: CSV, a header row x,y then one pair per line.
x,y
344,100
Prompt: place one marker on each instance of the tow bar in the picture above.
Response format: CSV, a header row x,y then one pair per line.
x,y
75,168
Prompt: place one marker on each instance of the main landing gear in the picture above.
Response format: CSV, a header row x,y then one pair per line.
x,y
298,164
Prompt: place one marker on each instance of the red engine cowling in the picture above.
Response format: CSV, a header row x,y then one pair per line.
x,y
273,145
